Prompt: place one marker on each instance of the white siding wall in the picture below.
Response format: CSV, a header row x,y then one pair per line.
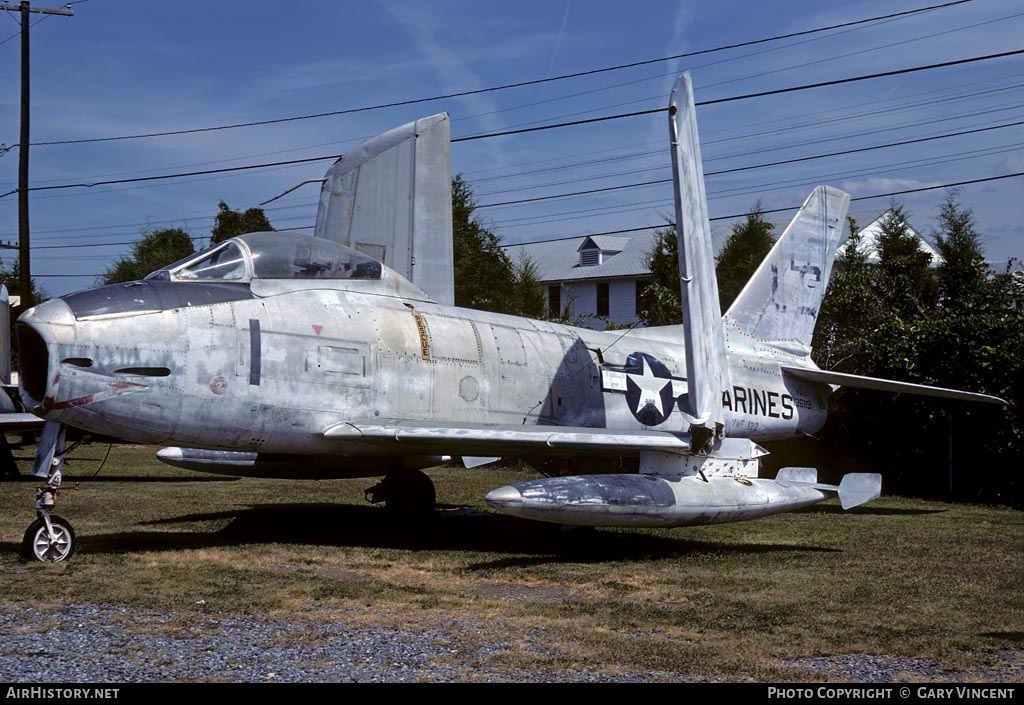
x,y
621,301
583,297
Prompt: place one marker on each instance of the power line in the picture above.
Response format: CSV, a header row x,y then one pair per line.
x,y
760,94
751,166
781,210
573,123
748,153
888,194
176,176
832,57
507,86
604,211
789,124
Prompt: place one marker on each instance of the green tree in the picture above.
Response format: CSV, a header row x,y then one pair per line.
x,y
484,276
849,312
963,271
905,274
658,303
156,249
958,326
10,276
528,294
743,252
750,241
229,223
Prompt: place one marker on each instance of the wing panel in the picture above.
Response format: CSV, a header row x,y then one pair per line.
x,y
499,439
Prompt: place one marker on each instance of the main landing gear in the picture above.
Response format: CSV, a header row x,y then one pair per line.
x,y
407,494
50,538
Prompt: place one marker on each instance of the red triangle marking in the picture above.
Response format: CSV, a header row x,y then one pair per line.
x,y
318,329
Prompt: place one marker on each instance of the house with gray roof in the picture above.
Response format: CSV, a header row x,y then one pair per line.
x,y
594,278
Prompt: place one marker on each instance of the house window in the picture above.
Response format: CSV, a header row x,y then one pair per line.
x,y
602,298
555,300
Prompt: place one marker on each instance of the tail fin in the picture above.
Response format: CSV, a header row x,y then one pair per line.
x,y
391,198
706,367
780,303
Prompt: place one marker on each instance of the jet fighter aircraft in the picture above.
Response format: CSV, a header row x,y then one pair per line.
x,y
278,354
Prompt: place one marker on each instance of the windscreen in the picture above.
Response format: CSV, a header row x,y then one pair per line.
x,y
279,256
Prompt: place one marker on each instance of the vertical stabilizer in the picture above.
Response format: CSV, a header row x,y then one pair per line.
x,y
780,303
391,197
706,365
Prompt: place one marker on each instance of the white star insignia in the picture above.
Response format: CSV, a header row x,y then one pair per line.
x,y
650,387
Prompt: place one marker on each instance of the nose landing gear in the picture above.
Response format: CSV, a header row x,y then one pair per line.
x,y
50,538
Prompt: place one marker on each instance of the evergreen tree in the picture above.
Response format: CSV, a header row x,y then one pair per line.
x,y
743,252
528,295
959,327
963,271
905,274
11,278
658,303
484,278
849,312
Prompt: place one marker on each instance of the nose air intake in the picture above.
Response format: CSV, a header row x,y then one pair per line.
x,y
33,363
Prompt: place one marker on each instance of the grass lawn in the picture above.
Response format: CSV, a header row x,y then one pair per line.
x,y
897,577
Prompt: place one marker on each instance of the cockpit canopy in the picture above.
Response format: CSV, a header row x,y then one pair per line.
x,y
245,267
272,256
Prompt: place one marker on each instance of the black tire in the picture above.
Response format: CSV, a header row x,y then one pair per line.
x,y
411,494
36,544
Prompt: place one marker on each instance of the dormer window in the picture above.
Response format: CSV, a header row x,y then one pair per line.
x,y
590,257
598,249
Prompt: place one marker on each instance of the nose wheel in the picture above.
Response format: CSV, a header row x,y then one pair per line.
x,y
50,538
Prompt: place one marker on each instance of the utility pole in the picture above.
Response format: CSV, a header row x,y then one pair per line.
x,y
24,256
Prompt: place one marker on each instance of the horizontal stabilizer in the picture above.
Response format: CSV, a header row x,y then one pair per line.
x,y
808,475
886,385
475,461
856,488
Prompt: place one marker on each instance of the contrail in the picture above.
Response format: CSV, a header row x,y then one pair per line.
x,y
554,53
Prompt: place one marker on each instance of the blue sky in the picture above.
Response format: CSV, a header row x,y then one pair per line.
x,y
121,68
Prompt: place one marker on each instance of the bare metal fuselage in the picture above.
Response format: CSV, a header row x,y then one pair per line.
x,y
271,373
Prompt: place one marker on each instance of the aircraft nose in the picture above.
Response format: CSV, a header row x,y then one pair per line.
x,y
504,497
39,330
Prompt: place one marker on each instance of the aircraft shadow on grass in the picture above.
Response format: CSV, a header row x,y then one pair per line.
x,y
452,528
867,511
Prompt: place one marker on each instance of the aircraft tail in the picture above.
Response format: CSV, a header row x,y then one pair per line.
x,y
391,198
780,303
707,369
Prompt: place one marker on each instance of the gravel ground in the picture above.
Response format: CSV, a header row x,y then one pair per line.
x,y
115,644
